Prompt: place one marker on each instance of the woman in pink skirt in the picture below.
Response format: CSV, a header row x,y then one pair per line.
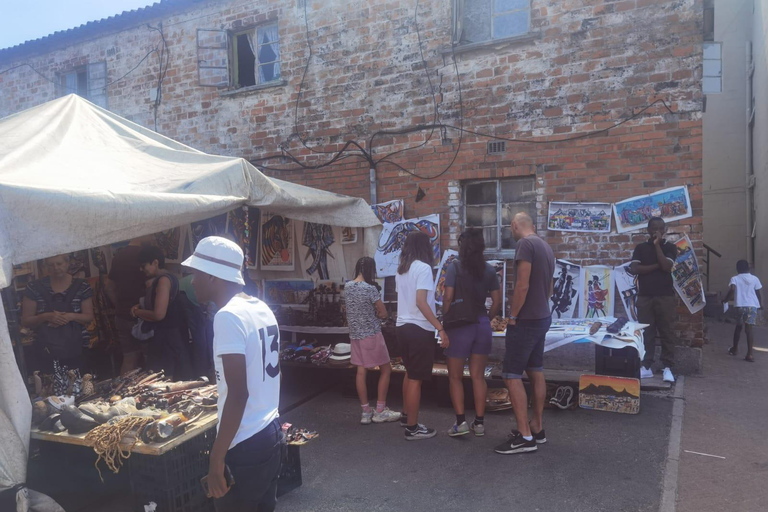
x,y
364,309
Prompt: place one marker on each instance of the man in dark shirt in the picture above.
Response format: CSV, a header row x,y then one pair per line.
x,y
526,332
656,305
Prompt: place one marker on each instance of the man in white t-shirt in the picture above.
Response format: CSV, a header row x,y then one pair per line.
x,y
744,289
246,344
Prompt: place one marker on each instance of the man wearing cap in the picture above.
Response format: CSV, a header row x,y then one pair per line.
x,y
246,344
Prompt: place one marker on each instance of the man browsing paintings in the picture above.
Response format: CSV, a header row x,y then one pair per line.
x,y
652,263
246,342
526,332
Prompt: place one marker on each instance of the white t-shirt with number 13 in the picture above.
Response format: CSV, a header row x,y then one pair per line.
x,y
247,326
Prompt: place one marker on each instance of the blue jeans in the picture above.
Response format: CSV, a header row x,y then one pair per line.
x,y
525,347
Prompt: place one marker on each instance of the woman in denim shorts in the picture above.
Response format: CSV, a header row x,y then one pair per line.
x,y
472,341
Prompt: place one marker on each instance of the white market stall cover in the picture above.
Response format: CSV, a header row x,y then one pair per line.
x,y
75,176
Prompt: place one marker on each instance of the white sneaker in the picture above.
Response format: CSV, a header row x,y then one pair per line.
x,y
645,373
365,418
668,377
385,416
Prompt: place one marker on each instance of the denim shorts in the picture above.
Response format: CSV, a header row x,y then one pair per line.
x,y
525,347
470,339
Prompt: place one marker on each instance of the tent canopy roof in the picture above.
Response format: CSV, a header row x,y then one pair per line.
x,y
74,176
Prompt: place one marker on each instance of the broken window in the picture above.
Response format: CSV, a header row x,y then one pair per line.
x,y
89,82
490,205
478,21
257,56
712,75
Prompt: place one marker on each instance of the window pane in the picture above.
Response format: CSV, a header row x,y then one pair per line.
x,y
509,25
710,84
517,190
507,240
481,193
477,21
528,207
491,238
268,72
481,216
508,5
711,50
712,68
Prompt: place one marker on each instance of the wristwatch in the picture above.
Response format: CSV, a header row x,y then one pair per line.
x,y
513,318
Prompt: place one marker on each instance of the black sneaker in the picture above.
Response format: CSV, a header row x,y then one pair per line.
x,y
515,443
403,420
421,432
540,437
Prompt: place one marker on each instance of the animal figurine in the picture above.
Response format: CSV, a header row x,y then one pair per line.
x,y
87,388
71,377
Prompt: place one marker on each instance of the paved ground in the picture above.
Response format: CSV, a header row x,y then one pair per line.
x,y
593,462
726,415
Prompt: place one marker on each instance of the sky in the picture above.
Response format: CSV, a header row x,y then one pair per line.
x,y
24,20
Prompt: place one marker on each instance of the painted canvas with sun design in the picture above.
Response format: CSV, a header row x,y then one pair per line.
x,y
612,394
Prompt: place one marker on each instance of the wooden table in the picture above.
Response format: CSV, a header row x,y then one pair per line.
x,y
197,427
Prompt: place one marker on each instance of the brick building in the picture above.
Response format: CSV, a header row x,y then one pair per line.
x,y
235,77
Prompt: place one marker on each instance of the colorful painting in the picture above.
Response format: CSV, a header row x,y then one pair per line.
x,y
671,204
389,212
171,243
611,394
626,284
597,292
287,291
99,260
449,256
393,237
500,266
215,226
686,276
243,225
566,289
276,242
348,236
580,217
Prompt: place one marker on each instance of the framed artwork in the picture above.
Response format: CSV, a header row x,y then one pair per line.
x,y
611,394
287,291
670,204
580,217
597,292
393,237
449,256
276,245
566,289
626,284
348,236
243,226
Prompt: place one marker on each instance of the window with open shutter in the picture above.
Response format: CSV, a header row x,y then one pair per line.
x,y
213,58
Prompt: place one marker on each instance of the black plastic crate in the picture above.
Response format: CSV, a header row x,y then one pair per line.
x,y
172,480
290,471
617,362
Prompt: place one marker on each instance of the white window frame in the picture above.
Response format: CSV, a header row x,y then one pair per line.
x,y
497,251
705,60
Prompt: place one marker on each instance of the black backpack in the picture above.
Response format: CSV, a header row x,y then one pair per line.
x,y
463,310
61,342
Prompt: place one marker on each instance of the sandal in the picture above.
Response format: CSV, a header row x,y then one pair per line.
x,y
732,351
749,359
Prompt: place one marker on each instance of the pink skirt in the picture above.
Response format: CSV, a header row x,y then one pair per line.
x,y
370,352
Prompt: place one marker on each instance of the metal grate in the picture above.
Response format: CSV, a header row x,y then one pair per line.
x,y
496,147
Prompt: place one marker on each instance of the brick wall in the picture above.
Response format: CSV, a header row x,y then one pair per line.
x,y
587,64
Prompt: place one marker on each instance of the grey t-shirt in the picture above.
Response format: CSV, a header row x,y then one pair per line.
x,y
539,254
483,287
360,298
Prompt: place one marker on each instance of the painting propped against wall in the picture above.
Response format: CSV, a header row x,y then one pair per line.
x,y
566,289
391,211
597,292
611,394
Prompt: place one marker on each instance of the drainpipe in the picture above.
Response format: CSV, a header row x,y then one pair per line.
x,y
373,185
749,168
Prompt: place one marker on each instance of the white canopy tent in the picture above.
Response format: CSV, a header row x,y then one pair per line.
x,y
75,176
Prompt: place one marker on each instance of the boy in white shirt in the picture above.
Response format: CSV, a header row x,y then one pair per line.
x,y
744,289
246,344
